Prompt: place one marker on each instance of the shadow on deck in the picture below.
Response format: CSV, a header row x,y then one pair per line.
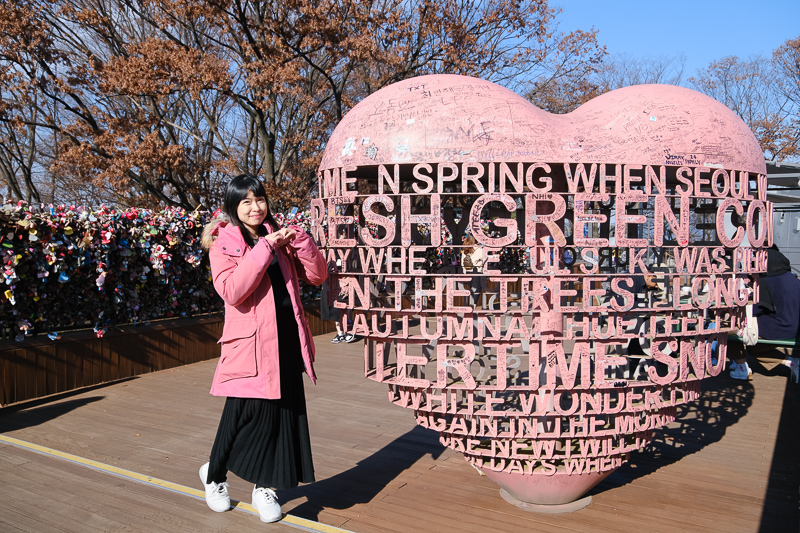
x,y
728,462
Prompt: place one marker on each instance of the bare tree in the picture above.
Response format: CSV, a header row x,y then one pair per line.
x,y
625,70
158,100
756,91
567,79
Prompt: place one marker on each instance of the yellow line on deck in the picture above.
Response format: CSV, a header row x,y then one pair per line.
x,y
237,505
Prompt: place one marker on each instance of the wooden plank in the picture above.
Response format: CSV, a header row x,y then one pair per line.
x,y
15,520
72,367
718,468
38,367
62,371
50,366
7,382
77,500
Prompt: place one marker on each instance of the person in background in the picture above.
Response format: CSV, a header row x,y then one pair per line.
x,y
266,346
777,313
332,292
471,255
642,288
472,260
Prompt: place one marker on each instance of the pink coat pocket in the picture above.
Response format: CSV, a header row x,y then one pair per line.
x,y
238,359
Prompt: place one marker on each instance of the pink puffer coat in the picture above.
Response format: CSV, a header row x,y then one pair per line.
x,y
248,366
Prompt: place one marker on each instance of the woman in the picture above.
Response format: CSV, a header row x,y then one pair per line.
x,y
472,260
266,345
471,255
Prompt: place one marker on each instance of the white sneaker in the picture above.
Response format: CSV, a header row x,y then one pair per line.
x,y
217,496
741,372
265,501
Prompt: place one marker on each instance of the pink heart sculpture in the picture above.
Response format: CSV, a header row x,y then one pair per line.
x,y
616,247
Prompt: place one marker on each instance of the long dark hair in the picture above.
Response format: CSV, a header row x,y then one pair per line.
x,y
469,243
237,191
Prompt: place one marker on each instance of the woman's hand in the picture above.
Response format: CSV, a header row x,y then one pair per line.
x,y
281,237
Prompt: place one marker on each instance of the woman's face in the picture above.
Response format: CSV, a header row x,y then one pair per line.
x,y
252,211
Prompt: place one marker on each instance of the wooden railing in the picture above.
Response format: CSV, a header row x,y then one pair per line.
x,y
38,366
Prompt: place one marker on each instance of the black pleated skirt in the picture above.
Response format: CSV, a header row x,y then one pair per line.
x,y
266,442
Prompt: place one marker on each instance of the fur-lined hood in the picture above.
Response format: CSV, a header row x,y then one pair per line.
x,y
211,230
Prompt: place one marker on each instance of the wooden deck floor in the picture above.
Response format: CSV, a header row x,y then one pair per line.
x,y
729,463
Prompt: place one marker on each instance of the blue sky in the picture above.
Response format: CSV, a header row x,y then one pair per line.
x,y
702,30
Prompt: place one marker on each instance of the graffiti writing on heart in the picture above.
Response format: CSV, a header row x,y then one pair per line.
x,y
614,250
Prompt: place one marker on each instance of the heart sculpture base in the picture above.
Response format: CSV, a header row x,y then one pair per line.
x,y
546,494
570,507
